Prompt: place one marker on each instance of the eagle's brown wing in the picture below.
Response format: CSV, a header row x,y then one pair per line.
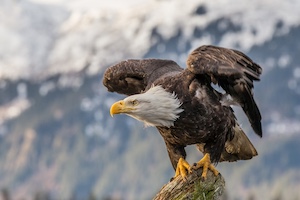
x,y
134,76
234,72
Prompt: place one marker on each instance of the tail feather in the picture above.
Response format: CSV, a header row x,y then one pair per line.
x,y
239,148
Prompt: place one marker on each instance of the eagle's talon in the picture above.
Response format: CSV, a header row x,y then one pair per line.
x,y
203,178
205,163
182,168
195,166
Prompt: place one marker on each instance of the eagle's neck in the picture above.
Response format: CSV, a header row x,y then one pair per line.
x,y
157,107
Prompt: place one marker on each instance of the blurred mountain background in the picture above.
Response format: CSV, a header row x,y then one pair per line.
x,y
56,136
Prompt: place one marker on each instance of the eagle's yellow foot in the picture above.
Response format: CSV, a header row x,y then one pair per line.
x,y
206,164
182,168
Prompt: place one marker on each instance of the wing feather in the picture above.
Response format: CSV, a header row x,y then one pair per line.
x,y
134,76
234,72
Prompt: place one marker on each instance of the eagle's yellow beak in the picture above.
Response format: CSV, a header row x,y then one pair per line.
x,y
120,107
117,108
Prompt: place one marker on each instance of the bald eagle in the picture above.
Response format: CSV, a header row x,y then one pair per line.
x,y
185,107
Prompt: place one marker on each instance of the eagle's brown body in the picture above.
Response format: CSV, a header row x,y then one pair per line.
x,y
205,121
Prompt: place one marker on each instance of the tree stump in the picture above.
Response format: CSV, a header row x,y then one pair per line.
x,y
194,188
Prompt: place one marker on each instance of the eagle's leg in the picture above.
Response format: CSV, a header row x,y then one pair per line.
x,y
182,168
206,164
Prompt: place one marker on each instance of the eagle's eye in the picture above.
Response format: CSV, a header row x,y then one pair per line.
x,y
134,102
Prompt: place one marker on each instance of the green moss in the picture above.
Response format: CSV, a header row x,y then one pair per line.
x,y
203,191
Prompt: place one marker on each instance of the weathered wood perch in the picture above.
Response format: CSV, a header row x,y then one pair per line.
x,y
194,188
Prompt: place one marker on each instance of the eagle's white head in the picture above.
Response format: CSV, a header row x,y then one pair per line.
x,y
155,107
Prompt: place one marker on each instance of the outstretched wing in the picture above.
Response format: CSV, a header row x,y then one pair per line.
x,y
134,76
234,72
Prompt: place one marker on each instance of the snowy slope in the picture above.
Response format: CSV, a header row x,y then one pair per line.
x,y
44,37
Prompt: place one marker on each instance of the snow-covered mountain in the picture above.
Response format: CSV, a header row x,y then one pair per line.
x,y
40,38
54,121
